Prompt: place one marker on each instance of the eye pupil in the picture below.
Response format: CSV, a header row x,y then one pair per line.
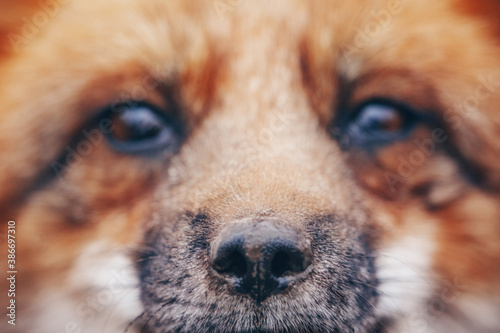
x,y
380,118
134,125
378,123
142,129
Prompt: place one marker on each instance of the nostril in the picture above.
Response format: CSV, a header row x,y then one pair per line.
x,y
231,264
260,259
287,264
280,264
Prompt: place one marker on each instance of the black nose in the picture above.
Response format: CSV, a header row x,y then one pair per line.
x,y
261,258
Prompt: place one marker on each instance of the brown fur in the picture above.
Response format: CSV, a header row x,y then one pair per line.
x,y
257,89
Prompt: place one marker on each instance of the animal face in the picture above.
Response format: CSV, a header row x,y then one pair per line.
x,y
237,166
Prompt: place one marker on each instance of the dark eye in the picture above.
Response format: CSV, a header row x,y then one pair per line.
x,y
377,123
141,129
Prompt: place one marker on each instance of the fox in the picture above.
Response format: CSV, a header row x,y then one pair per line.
x,y
250,166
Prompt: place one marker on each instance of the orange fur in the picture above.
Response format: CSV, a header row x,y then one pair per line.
x,y
257,88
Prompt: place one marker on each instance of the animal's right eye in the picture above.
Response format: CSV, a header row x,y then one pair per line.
x,y
376,123
142,129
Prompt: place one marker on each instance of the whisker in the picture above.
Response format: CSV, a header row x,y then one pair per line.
x,y
133,322
151,317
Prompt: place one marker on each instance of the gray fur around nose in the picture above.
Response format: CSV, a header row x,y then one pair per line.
x,y
261,258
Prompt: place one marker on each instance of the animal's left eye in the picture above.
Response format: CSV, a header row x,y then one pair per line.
x,y
376,123
142,129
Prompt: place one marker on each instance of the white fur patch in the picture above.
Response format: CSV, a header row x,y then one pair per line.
x,y
101,294
406,281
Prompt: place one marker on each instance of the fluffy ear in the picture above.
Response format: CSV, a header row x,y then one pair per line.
x,y
15,14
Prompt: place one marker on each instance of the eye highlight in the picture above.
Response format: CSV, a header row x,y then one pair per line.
x,y
142,129
377,123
